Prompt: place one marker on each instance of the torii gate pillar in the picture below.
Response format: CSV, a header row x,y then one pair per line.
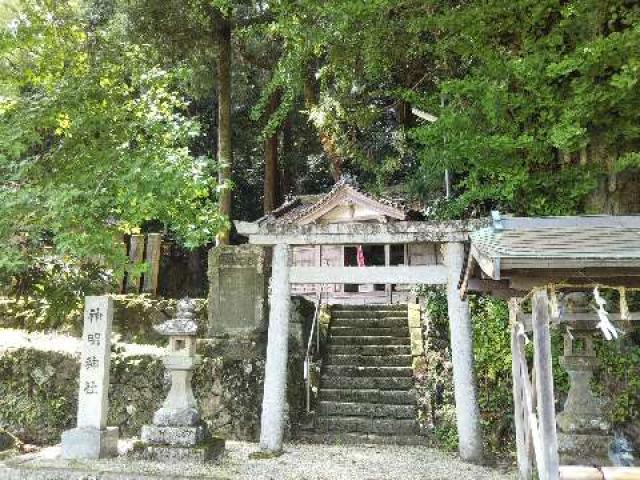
x,y
275,377
467,410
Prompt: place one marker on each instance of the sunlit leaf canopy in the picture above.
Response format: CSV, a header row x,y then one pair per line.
x,y
109,107
94,141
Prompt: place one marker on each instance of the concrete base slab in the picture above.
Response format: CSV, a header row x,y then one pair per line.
x,y
87,442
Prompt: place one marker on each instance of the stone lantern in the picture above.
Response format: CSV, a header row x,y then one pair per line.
x,y
584,435
178,432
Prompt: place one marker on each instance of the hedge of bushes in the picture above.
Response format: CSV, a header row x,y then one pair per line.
x,y
618,378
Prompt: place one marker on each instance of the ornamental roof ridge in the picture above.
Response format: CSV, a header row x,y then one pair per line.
x,y
289,204
345,182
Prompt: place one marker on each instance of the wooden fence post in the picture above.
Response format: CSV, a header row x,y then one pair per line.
x,y
520,414
548,464
154,245
136,252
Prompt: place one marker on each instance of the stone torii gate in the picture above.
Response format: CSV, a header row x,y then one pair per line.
x,y
282,237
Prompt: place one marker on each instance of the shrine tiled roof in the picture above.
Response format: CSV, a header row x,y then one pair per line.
x,y
296,208
558,242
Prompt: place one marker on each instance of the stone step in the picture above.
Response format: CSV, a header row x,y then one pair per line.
x,y
377,383
370,340
367,314
367,395
376,307
356,409
388,322
379,426
362,439
356,371
366,350
370,360
370,331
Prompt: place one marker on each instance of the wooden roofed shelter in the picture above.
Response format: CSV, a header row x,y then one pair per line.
x,y
521,258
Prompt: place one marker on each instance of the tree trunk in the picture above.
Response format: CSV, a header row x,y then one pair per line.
x,y
271,169
617,193
326,138
225,153
288,163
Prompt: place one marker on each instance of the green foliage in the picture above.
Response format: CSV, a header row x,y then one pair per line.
x,y
350,62
94,142
619,378
524,98
436,379
50,295
532,114
492,355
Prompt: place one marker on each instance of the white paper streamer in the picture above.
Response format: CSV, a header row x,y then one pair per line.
x,y
605,325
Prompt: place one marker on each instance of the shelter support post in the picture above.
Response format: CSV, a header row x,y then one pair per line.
x,y
520,414
275,380
548,465
467,410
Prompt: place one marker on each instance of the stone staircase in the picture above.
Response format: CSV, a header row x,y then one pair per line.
x,y
366,386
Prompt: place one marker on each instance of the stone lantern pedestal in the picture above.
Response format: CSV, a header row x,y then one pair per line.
x,y
584,434
177,432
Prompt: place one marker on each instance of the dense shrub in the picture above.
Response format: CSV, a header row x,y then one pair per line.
x,y
492,353
618,380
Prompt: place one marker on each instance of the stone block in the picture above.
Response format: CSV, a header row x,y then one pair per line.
x,y
414,316
204,452
172,417
584,449
177,436
238,279
417,345
90,443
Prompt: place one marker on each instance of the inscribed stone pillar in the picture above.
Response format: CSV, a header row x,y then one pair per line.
x,y
238,276
467,411
275,379
92,439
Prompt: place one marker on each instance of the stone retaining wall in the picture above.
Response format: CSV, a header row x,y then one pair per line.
x,y
38,393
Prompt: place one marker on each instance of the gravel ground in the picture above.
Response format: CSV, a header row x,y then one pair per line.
x,y
299,462
367,462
